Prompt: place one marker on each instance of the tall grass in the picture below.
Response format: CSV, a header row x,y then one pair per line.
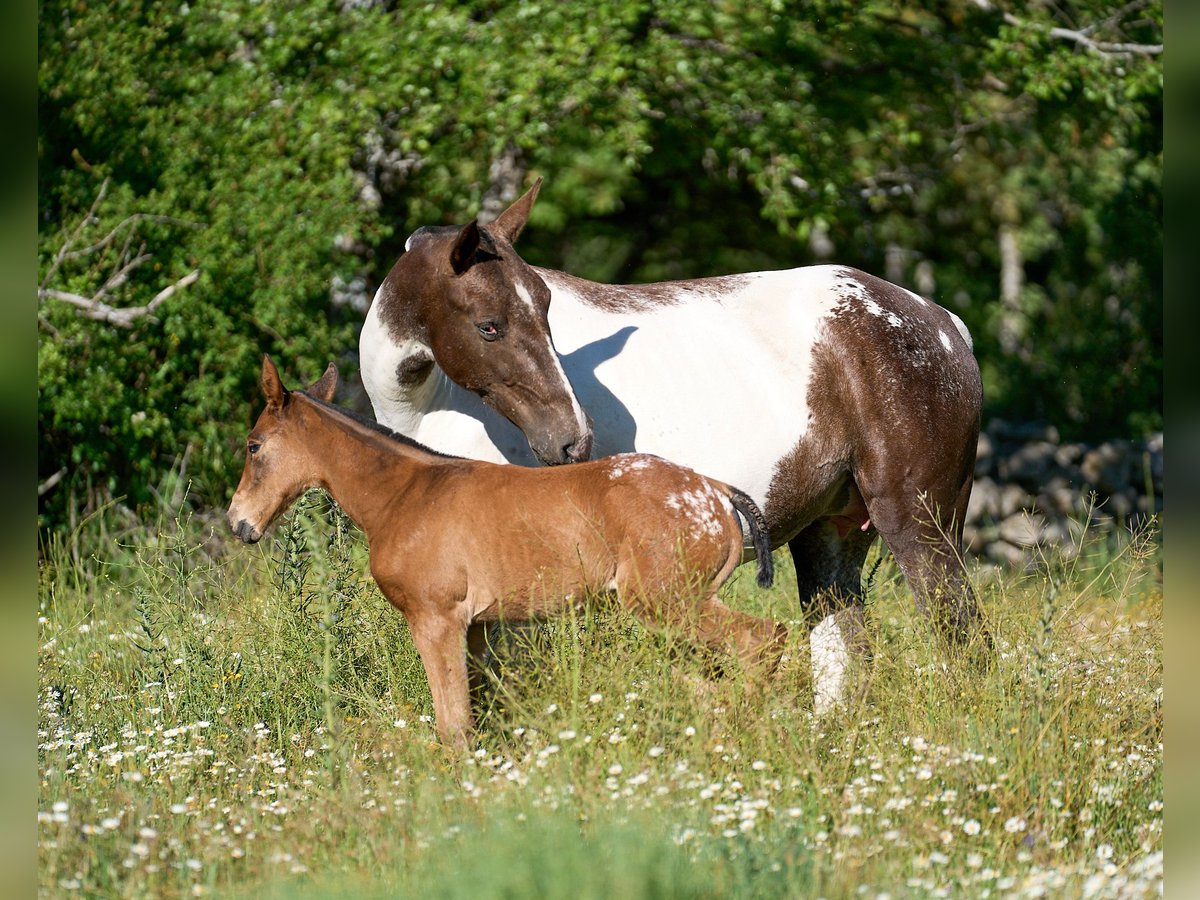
x,y
241,720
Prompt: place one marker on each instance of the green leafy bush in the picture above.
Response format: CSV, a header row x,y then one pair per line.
x,y
284,152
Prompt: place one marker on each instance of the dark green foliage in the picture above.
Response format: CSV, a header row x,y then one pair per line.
x,y
286,150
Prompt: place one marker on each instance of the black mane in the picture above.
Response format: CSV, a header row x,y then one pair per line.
x,y
379,428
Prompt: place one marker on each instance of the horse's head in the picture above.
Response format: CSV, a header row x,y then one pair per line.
x,y
482,311
278,463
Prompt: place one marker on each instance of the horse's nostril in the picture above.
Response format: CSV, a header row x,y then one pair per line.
x,y
245,531
578,450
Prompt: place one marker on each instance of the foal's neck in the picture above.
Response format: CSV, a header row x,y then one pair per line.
x,y
365,470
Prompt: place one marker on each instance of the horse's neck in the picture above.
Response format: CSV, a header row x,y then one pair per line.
x,y
364,471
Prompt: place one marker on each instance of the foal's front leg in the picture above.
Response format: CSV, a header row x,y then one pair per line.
x,y
441,642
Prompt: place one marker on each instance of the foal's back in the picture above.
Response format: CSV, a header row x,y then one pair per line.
x,y
518,542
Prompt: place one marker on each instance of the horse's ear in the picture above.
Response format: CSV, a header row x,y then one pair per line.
x,y
272,387
462,253
324,386
510,222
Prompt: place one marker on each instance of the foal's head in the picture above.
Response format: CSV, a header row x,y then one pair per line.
x,y
279,462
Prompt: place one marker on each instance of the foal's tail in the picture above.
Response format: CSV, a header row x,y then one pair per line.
x,y
759,534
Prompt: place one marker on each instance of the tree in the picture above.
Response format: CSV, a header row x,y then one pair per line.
x,y
1005,159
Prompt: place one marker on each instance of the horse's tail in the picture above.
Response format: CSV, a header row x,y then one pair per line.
x,y
759,534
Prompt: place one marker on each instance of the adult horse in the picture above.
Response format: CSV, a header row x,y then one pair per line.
x,y
844,405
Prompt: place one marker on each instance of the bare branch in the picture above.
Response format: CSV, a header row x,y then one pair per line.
x,y
127,222
48,485
121,274
1083,36
166,292
124,260
1103,48
123,317
63,250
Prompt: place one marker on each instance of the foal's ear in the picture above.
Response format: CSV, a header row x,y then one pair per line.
x,y
462,252
324,386
510,222
272,387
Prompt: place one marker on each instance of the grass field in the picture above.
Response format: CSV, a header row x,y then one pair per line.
x,y
250,721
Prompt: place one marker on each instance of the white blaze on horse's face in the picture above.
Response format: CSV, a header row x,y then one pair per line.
x,y
482,313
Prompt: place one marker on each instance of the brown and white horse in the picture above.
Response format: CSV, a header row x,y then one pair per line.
x,y
458,543
844,405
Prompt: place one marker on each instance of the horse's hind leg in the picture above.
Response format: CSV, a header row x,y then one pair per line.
x,y
829,579
929,553
923,529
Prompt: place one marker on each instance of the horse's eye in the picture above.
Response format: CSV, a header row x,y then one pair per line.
x,y
253,447
488,330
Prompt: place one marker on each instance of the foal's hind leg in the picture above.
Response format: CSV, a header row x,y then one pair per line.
x,y
756,641
829,578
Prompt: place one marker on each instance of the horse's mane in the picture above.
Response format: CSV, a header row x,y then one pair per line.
x,y
377,427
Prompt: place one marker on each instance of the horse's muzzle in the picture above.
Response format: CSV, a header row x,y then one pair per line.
x,y
245,531
577,450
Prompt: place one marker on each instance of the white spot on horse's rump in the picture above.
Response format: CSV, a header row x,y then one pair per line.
x,y
702,506
962,329
944,338
620,463
851,289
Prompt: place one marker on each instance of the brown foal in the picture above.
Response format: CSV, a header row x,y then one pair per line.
x,y
458,543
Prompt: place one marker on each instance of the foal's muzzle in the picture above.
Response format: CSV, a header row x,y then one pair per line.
x,y
246,531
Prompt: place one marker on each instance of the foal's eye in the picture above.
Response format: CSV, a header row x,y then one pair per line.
x,y
488,330
253,447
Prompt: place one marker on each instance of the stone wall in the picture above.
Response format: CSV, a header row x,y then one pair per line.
x,y
1031,488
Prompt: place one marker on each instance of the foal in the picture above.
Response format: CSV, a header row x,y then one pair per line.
x,y
458,543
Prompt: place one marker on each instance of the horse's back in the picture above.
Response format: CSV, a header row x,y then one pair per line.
x,y
730,375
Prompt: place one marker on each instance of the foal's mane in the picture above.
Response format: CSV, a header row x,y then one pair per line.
x,y
374,426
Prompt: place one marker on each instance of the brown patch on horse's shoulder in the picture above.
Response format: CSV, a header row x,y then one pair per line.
x,y
619,298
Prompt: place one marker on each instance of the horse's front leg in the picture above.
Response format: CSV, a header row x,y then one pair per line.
x,y
441,642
